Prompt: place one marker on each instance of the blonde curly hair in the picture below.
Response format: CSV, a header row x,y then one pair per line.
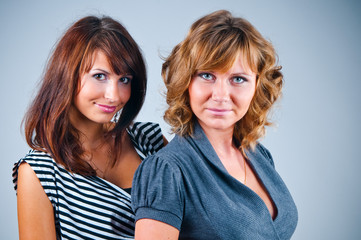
x,y
213,43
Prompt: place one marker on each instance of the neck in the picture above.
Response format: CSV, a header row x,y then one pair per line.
x,y
221,140
230,156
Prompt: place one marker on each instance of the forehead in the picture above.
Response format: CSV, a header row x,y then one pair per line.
x,y
241,64
239,59
89,59
100,57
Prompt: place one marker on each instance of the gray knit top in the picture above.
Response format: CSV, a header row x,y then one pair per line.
x,y
186,185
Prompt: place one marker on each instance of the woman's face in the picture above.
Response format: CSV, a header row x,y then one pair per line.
x,y
102,92
220,99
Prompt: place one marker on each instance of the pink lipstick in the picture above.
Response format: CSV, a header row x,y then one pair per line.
x,y
106,108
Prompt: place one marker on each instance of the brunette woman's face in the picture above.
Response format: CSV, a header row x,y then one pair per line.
x,y
220,99
102,93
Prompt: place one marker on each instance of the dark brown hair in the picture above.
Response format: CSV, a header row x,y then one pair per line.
x,y
213,43
47,124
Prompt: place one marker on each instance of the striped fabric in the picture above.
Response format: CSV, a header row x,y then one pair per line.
x,y
90,207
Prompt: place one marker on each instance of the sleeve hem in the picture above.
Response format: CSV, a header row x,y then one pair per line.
x,y
159,215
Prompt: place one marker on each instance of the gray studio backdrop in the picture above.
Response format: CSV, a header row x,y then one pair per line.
x,y
315,144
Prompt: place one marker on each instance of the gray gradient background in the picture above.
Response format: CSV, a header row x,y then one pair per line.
x,y
316,142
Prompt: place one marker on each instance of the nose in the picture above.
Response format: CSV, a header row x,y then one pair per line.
x,y
220,91
112,91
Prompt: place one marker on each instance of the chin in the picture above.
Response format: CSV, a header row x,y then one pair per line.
x,y
103,121
218,125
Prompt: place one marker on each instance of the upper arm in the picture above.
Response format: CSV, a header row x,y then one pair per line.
x,y
35,212
153,229
158,191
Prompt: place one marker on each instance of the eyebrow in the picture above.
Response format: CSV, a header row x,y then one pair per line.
x,y
232,74
241,73
102,70
108,72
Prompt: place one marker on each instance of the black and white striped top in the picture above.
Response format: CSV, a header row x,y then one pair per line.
x,y
90,207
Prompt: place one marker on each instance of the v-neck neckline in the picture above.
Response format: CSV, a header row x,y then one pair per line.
x,y
204,145
261,178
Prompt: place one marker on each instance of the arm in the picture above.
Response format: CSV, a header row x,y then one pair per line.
x,y
35,212
153,229
157,198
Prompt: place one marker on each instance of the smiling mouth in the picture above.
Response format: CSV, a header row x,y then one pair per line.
x,y
106,108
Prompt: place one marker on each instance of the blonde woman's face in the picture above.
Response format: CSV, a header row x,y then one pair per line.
x,y
220,99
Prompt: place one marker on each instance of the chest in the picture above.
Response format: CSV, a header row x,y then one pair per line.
x,y
245,174
227,209
81,202
123,171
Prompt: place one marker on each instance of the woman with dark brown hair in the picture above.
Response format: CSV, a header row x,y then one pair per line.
x,y
75,182
214,180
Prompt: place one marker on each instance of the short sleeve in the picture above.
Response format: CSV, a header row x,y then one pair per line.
x,y
44,168
157,191
147,137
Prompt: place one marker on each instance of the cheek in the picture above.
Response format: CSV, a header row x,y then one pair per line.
x,y
125,93
90,90
247,93
197,93
80,103
193,97
243,99
248,97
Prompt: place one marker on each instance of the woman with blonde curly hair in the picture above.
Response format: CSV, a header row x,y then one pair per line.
x,y
214,180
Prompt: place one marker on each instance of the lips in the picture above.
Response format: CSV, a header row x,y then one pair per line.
x,y
107,108
218,111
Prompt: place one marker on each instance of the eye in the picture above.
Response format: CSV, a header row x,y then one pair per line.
x,y
125,80
206,76
99,76
238,79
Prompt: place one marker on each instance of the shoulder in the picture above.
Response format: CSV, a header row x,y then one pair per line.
x,y
164,159
173,157
146,136
163,174
37,159
39,162
158,173
144,128
262,152
169,157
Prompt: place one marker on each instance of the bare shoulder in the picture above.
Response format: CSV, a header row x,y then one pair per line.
x,y
25,171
